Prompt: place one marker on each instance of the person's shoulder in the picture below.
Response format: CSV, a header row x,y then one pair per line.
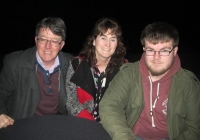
x,y
17,54
66,55
77,58
187,76
14,54
76,61
18,58
130,68
131,65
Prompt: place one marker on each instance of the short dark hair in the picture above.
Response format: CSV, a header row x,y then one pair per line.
x,y
56,25
160,32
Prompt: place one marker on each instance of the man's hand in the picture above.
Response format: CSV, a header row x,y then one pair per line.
x,y
5,121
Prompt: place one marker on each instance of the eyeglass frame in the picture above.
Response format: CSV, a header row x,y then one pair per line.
x,y
46,40
159,52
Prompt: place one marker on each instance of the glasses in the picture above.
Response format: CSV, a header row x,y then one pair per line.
x,y
150,52
54,43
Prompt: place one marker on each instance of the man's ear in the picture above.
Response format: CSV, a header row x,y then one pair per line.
x,y
62,44
35,39
175,50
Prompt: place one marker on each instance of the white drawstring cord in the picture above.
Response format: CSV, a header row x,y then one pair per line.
x,y
158,86
151,111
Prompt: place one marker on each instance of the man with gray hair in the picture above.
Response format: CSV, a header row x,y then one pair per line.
x,y
33,81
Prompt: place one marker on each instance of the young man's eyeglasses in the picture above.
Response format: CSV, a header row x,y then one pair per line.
x,y
54,43
150,52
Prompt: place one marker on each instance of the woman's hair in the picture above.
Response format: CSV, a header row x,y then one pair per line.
x,y
100,28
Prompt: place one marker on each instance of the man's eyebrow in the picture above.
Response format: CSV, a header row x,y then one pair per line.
x,y
147,47
113,37
160,49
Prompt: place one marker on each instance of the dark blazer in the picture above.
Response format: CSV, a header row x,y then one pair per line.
x,y
19,89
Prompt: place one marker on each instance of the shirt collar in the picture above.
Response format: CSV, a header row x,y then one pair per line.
x,y
56,63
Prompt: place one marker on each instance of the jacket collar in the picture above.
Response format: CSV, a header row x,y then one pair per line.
x,y
29,58
84,79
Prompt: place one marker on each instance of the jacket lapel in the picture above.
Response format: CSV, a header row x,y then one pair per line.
x,y
83,78
30,65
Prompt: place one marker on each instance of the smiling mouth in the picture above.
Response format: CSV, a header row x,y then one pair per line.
x,y
47,52
106,49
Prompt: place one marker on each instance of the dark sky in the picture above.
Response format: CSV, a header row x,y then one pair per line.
x,y
19,18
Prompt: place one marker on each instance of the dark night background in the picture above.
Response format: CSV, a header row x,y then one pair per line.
x,y
19,18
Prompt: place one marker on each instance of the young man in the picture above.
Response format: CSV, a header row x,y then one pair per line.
x,y
33,81
154,98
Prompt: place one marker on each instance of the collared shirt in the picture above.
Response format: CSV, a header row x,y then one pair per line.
x,y
56,63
